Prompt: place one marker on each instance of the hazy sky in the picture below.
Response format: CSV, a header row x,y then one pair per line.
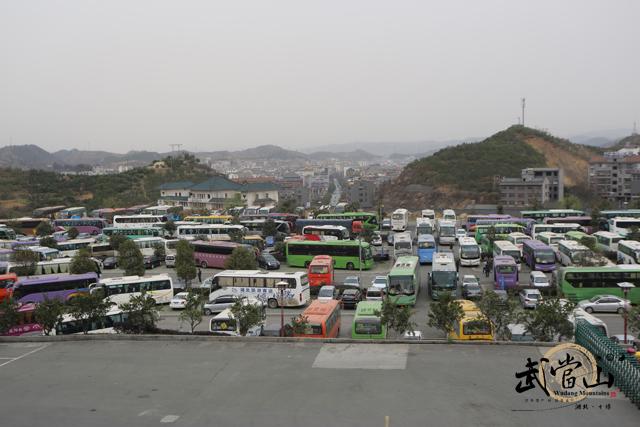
x,y
121,75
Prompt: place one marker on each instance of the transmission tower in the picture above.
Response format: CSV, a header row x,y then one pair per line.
x,y
523,105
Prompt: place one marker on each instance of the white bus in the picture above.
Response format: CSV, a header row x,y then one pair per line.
x,y
628,252
559,228
119,290
54,266
505,247
106,325
45,253
263,286
209,231
424,226
69,248
399,220
449,215
607,240
571,252
225,323
429,214
147,245
327,232
622,225
443,277
137,221
402,244
157,210
579,314
551,239
517,238
255,227
446,232
468,251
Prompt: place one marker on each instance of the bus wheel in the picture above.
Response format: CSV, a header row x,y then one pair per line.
x,y
272,303
203,264
350,266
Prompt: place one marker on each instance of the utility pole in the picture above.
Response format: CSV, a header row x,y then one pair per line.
x,y
523,105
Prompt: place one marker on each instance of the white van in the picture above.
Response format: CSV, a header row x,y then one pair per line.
x,y
538,280
225,324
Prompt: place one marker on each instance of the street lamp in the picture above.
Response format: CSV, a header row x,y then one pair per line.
x,y
282,285
625,286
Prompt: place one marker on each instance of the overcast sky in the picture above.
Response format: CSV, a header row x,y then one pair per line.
x,y
121,75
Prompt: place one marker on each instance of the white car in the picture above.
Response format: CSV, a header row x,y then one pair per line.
x,y
179,301
376,240
530,298
327,292
378,287
460,232
538,280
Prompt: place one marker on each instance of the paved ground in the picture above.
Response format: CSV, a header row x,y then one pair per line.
x,y
118,383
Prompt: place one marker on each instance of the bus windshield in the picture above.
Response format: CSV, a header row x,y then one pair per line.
x,y
469,252
506,269
444,279
476,327
319,269
397,216
403,245
368,326
223,325
447,230
400,284
514,254
426,245
545,256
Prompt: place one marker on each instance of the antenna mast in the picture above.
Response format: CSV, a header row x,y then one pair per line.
x,y
523,105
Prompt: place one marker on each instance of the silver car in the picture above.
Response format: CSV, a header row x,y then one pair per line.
x,y
530,298
605,303
219,304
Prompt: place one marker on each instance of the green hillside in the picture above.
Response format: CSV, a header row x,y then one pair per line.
x,y
25,190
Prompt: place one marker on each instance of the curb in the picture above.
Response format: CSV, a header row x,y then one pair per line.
x,y
267,340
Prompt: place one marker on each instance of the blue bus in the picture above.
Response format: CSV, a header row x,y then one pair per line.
x,y
426,248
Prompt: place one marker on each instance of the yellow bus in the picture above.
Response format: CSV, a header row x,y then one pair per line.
x,y
473,325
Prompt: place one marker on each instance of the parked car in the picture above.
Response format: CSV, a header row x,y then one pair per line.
x,y
471,287
376,240
179,301
530,298
327,292
268,261
170,261
538,280
460,232
352,281
619,339
110,262
390,239
605,303
152,261
351,297
219,304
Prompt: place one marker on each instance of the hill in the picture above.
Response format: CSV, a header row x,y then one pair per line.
x,y
631,141
347,155
26,156
463,174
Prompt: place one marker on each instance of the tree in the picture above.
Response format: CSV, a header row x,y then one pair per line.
x,y
634,233
241,259
299,325
247,315
589,242
26,261
159,251
234,201
366,235
270,228
72,233
185,266
44,229
352,207
130,259
550,320
48,314
116,240
499,312
49,242
633,319
140,314
192,312
9,315
396,317
88,309
570,202
82,262
445,313
235,235
500,209
170,227
286,206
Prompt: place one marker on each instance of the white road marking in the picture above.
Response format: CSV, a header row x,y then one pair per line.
x,y
169,418
24,355
143,413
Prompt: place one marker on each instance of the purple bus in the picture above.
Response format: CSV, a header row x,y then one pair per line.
x,y
213,254
61,287
505,272
91,226
538,256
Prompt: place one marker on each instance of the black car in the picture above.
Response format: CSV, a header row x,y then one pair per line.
x,y
110,262
351,297
152,261
268,261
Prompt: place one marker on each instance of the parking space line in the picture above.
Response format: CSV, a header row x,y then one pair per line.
x,y
24,355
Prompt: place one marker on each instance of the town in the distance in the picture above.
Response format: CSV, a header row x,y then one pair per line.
x,y
332,251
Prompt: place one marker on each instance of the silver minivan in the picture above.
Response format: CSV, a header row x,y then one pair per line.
x,y
170,261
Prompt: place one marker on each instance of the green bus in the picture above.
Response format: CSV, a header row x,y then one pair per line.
x,y
539,216
349,254
502,233
404,281
369,220
134,232
579,283
367,324
580,237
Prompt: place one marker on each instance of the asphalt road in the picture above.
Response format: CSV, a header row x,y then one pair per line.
x,y
206,383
